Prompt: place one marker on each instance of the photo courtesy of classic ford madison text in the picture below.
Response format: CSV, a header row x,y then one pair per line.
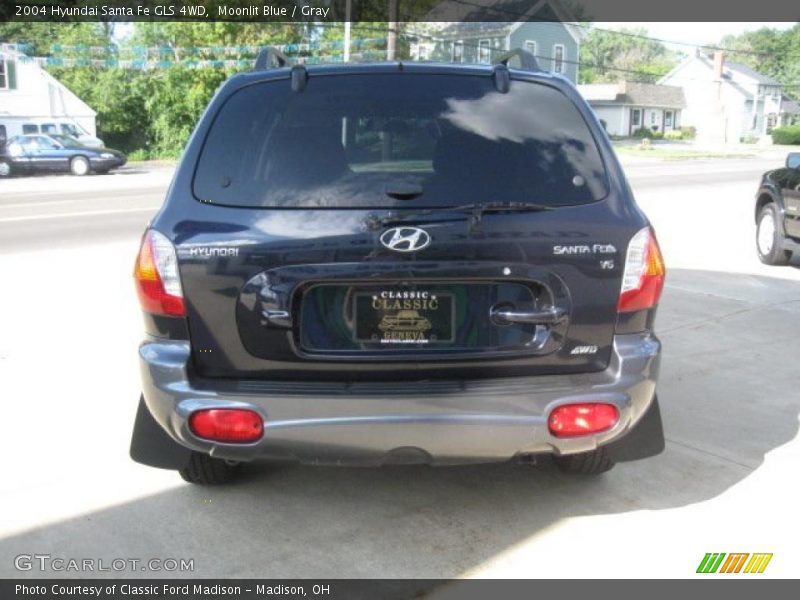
x,y
392,296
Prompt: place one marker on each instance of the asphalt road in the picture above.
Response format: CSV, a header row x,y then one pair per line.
x,y
68,378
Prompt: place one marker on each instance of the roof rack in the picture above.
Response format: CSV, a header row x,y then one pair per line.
x,y
270,58
527,60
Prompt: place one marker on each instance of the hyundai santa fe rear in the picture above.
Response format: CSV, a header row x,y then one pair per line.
x,y
397,263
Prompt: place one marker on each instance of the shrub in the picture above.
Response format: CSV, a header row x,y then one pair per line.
x,y
673,135
644,132
688,133
139,154
786,135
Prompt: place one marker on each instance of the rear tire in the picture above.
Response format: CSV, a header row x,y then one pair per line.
x,y
79,166
206,470
769,237
585,463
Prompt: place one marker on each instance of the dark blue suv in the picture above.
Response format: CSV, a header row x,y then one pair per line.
x,y
398,263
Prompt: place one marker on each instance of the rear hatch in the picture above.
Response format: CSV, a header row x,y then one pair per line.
x,y
400,224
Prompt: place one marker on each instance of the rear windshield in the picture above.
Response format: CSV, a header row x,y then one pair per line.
x,y
398,140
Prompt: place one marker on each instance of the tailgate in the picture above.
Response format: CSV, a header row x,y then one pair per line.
x,y
322,308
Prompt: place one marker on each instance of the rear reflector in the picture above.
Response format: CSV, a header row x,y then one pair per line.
x,y
643,278
157,279
572,420
227,425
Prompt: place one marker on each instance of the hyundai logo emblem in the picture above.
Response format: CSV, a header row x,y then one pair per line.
x,y
405,239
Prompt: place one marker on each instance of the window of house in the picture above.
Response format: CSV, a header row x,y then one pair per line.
x,y
458,51
530,46
3,75
668,118
637,117
484,52
653,118
558,58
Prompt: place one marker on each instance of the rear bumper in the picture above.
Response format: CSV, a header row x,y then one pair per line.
x,y
439,422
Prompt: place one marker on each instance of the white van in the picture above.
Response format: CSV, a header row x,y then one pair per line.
x,y
14,126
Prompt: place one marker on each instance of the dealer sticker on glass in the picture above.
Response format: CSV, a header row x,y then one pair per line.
x,y
404,317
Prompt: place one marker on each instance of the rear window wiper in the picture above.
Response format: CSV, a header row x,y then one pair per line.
x,y
477,209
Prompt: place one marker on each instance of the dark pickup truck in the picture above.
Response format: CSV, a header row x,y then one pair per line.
x,y
778,213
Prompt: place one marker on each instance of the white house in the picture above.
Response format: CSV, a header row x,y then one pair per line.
x,y
729,102
627,106
28,93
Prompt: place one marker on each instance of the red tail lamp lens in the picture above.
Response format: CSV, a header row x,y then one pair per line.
x,y
572,420
643,278
156,275
227,425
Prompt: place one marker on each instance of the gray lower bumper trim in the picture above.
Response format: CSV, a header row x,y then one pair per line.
x,y
454,422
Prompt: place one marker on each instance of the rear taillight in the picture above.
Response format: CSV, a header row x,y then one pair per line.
x,y
157,279
233,425
643,278
572,420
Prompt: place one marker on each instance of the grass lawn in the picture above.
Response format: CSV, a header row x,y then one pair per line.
x,y
678,153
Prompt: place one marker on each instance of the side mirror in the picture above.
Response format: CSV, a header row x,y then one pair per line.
x,y
793,160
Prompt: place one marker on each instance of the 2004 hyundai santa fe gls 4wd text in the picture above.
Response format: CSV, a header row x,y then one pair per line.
x,y
397,263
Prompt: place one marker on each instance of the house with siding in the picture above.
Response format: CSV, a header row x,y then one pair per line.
x,y
544,29
729,102
627,106
29,95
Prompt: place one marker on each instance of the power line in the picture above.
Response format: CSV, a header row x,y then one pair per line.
x,y
631,34
649,76
646,77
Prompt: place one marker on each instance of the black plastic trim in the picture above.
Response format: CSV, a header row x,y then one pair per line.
x,y
152,446
636,321
171,328
646,439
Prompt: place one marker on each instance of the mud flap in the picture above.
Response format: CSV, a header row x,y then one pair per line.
x,y
644,440
150,444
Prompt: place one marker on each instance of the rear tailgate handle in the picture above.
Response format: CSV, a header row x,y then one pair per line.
x,y
506,316
277,318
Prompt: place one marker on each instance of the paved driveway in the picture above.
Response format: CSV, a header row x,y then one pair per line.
x,y
727,481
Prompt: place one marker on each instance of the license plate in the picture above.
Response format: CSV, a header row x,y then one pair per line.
x,y
398,318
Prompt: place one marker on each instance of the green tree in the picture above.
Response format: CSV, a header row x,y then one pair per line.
x,y
770,51
42,37
608,56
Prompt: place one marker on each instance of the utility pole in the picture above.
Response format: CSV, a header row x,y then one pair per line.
x,y
391,38
348,13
